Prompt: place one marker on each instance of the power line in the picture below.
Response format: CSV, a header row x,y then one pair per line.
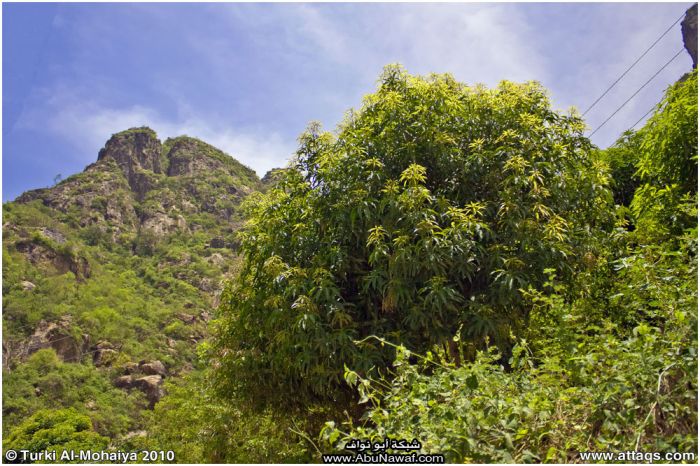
x,y
632,65
644,116
636,92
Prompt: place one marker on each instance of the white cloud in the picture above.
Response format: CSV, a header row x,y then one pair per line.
x,y
87,127
477,43
316,28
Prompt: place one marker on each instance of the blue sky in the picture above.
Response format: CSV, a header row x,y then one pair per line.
x,y
249,77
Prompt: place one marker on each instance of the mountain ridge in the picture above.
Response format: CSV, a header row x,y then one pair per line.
x,y
134,169
116,270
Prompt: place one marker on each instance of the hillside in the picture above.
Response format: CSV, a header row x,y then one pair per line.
x,y
110,278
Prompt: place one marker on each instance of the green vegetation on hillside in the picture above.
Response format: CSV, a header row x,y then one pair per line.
x,y
101,283
55,431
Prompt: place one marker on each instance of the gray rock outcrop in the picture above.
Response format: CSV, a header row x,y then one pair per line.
x,y
137,152
57,335
689,30
146,376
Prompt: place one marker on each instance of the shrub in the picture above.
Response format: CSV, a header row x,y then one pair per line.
x,y
55,430
666,202
587,385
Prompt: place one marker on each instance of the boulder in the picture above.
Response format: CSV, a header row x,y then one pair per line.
x,y
27,286
153,368
217,242
124,381
216,259
134,434
131,368
104,357
53,235
104,354
151,386
207,284
186,318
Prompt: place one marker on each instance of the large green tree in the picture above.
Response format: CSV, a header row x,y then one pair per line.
x,y
421,218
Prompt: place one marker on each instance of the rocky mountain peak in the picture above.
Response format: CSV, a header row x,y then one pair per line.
x,y
140,154
134,148
137,151
140,184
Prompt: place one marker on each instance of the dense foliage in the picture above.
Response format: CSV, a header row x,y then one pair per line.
x,y
621,159
666,202
55,431
655,169
586,383
45,382
202,427
607,363
434,205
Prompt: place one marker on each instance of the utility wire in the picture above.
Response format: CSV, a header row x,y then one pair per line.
x,y
632,65
644,116
636,92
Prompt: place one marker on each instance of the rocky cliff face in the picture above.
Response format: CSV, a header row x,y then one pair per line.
x,y
138,153
185,158
689,30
